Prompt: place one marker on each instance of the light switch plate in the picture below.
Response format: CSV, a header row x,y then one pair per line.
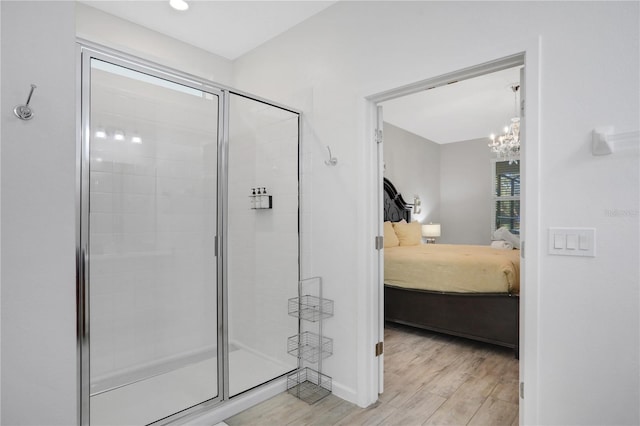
x,y
577,241
558,241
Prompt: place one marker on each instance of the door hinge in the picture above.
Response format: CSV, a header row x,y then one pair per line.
x,y
378,135
379,242
522,108
521,390
522,249
379,348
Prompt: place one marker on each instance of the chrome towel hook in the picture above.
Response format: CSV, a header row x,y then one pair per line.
x,y
24,112
332,160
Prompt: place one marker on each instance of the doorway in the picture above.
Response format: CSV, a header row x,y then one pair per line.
x,y
529,160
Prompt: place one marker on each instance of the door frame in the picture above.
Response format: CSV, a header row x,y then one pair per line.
x,y
525,53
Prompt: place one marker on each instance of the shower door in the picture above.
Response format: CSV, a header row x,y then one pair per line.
x,y
262,248
149,228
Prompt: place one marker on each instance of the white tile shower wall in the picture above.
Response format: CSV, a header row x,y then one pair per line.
x,y
152,272
263,244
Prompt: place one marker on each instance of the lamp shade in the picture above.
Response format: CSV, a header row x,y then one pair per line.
x,y
431,230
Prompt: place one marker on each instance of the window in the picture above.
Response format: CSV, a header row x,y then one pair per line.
x,y
506,196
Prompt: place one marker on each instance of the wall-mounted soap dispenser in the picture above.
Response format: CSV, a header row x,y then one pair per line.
x,y
260,199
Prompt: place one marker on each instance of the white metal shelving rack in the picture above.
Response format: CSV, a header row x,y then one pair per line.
x,y
306,383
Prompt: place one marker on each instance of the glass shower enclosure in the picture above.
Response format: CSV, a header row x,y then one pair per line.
x,y
188,241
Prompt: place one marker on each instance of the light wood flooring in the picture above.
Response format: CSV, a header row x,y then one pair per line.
x,y
430,379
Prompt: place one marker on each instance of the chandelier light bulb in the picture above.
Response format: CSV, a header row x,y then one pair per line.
x,y
507,146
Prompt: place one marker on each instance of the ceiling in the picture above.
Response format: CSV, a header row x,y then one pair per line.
x,y
226,28
466,110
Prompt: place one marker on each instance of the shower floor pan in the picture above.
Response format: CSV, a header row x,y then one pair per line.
x,y
150,399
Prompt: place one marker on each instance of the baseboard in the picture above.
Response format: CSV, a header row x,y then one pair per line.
x,y
218,414
344,392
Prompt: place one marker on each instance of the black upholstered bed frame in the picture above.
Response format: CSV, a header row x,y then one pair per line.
x,y
487,317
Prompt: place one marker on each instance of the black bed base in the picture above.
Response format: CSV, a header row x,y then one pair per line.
x,y
491,318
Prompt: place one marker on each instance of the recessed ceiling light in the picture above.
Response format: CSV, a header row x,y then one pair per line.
x,y
118,135
101,134
180,5
136,139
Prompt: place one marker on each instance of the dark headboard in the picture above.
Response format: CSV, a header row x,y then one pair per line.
x,y
395,208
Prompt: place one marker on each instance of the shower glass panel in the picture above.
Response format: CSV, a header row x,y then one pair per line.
x,y
153,318
262,241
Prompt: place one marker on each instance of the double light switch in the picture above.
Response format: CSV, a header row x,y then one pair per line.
x,y
572,241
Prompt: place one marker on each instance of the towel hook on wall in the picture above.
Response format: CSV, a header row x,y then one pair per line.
x,y
332,160
604,141
24,112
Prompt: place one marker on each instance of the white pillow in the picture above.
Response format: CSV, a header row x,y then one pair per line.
x,y
505,235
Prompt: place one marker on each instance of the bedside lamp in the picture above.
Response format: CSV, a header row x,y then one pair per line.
x,y
430,232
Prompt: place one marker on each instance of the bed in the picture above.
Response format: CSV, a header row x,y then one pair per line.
x,y
466,291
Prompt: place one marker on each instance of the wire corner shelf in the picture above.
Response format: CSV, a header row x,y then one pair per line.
x,y
309,385
310,346
310,308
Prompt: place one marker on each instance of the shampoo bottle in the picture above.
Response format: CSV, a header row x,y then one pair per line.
x,y
265,199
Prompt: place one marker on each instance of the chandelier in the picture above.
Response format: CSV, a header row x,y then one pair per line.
x,y
507,146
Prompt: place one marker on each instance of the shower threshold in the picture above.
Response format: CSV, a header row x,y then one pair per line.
x,y
138,373
157,391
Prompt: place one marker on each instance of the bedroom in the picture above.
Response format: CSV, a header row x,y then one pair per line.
x,y
436,154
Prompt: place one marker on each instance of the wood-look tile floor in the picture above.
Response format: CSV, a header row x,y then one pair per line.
x,y
430,379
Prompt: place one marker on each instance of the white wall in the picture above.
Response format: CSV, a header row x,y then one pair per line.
x,y
99,27
452,180
465,192
412,164
0,228
585,363
38,216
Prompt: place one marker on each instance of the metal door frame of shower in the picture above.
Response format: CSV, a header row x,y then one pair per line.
x,y
87,50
